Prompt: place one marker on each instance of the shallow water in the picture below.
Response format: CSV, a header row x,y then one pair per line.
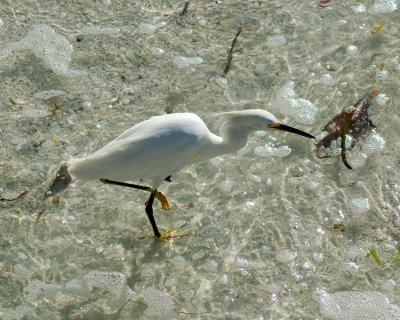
x,y
277,232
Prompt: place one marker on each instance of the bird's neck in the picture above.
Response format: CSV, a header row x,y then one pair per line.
x,y
232,138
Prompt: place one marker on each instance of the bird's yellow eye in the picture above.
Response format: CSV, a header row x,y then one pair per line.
x,y
273,125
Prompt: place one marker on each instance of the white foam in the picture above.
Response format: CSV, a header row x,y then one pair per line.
x,y
382,75
184,62
148,272
35,113
53,48
373,143
382,99
360,205
384,6
287,102
23,270
326,79
158,52
210,265
180,263
286,256
276,41
356,305
226,186
148,27
97,30
48,94
17,313
249,264
78,287
270,151
33,291
113,282
357,8
158,302
352,50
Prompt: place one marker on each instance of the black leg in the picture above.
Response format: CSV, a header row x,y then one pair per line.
x,y
149,212
124,184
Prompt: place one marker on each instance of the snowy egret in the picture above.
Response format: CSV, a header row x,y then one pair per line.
x,y
156,148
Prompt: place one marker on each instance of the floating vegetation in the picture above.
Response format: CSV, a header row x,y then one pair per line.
x,y
61,182
345,129
23,194
350,124
185,9
378,27
230,54
374,255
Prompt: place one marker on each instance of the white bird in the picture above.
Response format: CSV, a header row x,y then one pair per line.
x,y
156,148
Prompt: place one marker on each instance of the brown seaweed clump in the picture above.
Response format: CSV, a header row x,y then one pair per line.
x,y
357,125
61,182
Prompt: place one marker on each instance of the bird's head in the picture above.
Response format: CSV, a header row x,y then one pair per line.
x,y
260,120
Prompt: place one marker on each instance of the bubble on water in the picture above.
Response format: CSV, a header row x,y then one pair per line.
x,y
53,48
201,21
48,94
373,143
148,27
222,82
382,75
357,8
35,113
384,6
270,151
326,79
318,257
190,293
48,143
170,282
23,270
180,263
50,291
356,305
210,265
360,205
97,30
254,178
249,264
356,252
33,291
184,62
382,99
272,288
358,160
148,272
17,313
299,109
158,52
78,287
276,41
226,186
223,279
217,161
158,303
19,141
389,285
352,50
113,282
286,256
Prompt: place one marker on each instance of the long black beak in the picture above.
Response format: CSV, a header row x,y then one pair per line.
x,y
291,129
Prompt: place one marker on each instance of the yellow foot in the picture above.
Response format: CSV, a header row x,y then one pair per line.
x,y
169,234
163,199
